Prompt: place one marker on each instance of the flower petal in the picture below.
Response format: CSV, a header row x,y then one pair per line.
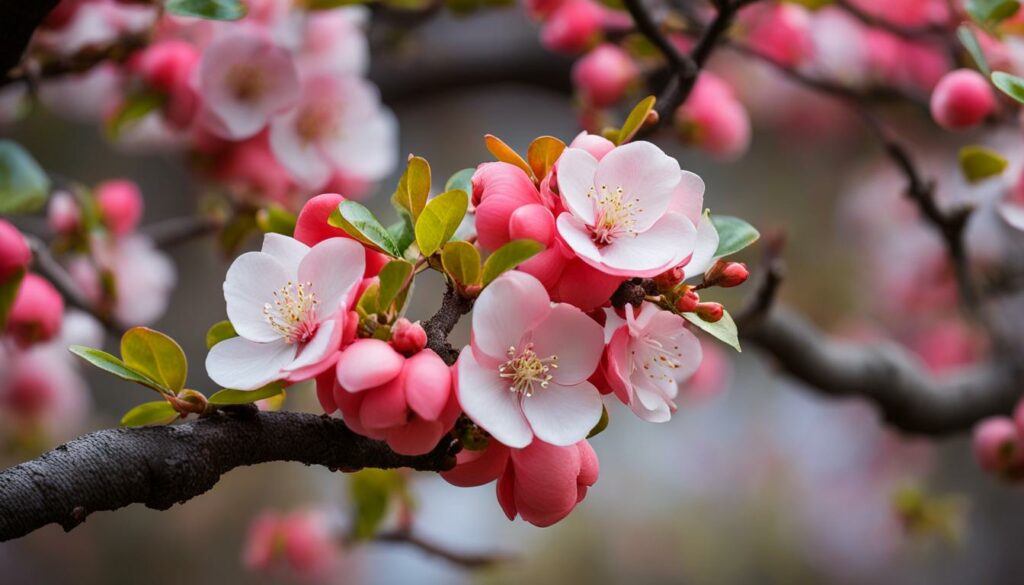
x,y
576,170
251,282
246,365
563,415
428,384
334,266
703,249
575,338
320,348
688,198
288,251
646,174
508,308
475,468
486,399
385,407
666,244
577,236
416,437
368,363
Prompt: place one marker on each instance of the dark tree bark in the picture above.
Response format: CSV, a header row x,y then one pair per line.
x,y
18,21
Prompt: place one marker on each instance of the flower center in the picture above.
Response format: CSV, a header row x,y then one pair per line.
x,y
247,82
658,360
614,214
293,312
315,121
525,370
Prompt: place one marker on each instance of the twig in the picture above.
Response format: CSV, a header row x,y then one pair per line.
x,y
465,560
172,232
439,327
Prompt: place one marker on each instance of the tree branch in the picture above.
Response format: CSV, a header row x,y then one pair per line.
x,y
465,560
20,19
162,465
439,327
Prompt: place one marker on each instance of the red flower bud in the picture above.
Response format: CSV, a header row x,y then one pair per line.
x,y
669,279
408,338
726,274
710,312
14,252
688,301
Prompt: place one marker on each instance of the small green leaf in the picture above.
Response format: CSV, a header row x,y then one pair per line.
x,y
636,119
275,219
392,279
979,163
439,220
135,107
361,224
150,413
1011,85
989,13
371,491
601,425
228,397
115,366
402,233
156,356
219,332
461,261
723,330
543,153
970,42
734,234
9,292
508,257
208,9
369,303
24,186
413,187
506,154
462,180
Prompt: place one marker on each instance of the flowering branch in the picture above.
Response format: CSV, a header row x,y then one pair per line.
x,y
162,465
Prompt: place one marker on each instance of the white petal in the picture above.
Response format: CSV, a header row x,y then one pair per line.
x,y
688,198
576,169
1013,214
319,348
335,266
288,251
245,365
303,159
563,415
367,149
645,174
507,309
666,244
250,283
486,398
575,338
703,249
577,236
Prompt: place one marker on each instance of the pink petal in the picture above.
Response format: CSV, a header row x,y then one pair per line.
x,y
508,308
334,266
319,354
576,178
250,283
666,244
416,437
584,286
384,407
645,174
500,188
478,467
506,492
575,338
545,482
486,398
428,384
325,384
247,365
368,363
303,159
563,415
590,467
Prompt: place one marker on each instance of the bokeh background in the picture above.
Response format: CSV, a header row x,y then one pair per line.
x,y
760,482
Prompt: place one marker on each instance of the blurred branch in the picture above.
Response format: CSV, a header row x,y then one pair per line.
x,y
160,466
909,32
34,70
773,270
465,560
20,19
178,230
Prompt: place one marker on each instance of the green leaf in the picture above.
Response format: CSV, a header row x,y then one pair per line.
x,y
115,366
219,332
601,425
24,186
135,107
979,163
208,9
371,491
506,154
989,13
734,234
228,396
413,187
439,220
275,219
156,356
369,303
8,292
723,330
361,224
543,153
392,278
461,261
150,413
508,257
462,180
1011,85
970,42
636,119
402,232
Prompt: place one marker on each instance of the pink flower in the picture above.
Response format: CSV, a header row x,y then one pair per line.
x,y
782,32
573,26
311,228
650,354
289,305
303,540
244,80
120,204
713,119
542,482
168,67
962,99
333,42
998,447
62,213
525,374
36,313
14,252
604,74
338,125
251,169
619,217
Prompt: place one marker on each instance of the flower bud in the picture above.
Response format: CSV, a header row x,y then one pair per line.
x,y
669,279
36,313
604,74
121,205
713,120
962,99
572,27
408,338
14,252
63,214
688,301
532,222
726,274
710,312
997,445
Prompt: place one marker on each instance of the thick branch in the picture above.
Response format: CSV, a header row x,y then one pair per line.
x,y
439,327
908,397
20,19
162,465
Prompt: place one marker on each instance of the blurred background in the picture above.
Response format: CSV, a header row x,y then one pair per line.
x,y
755,480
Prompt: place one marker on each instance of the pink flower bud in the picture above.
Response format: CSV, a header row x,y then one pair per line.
x,y
572,27
368,363
407,337
311,228
595,144
713,119
63,214
962,99
121,205
710,312
499,190
532,222
998,446
726,274
688,301
168,67
603,75
669,279
37,311
302,540
544,482
14,252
